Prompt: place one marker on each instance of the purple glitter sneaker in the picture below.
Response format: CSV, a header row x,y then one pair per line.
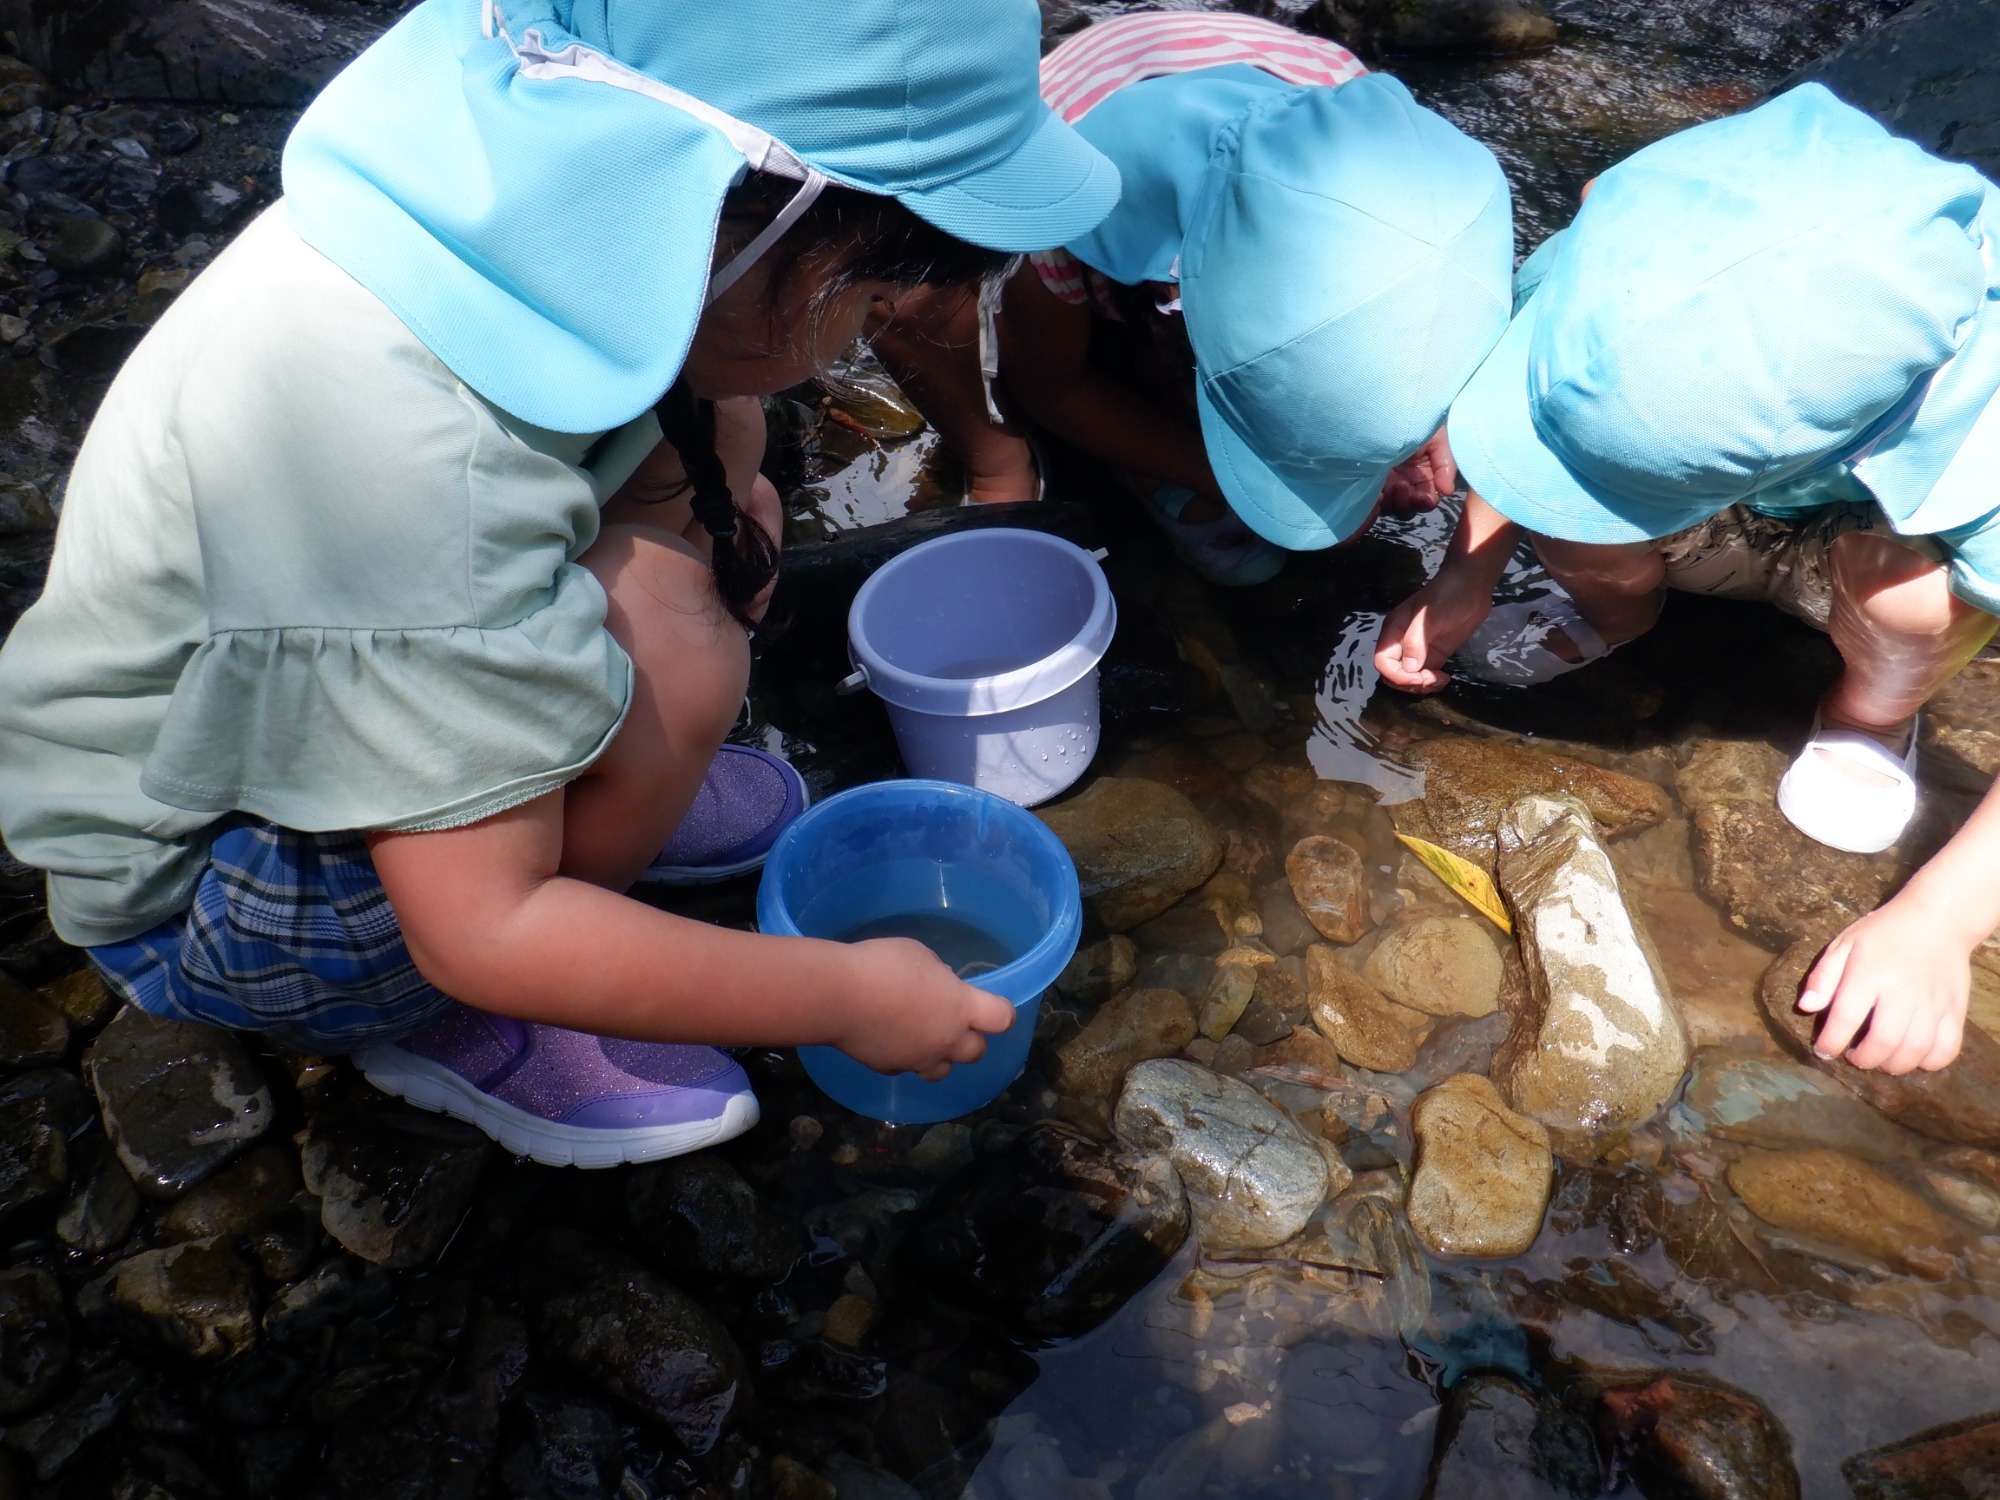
x,y
747,799
566,1098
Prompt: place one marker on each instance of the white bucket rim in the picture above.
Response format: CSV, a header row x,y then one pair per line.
x,y
975,697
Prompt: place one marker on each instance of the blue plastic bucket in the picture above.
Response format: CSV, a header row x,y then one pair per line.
x,y
895,849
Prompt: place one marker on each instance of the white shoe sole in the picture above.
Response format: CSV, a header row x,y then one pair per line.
x,y
432,1086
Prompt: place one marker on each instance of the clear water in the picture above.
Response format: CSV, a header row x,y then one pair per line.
x,y
969,950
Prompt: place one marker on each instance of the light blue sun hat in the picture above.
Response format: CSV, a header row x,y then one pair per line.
x,y
1746,303
1344,258
533,185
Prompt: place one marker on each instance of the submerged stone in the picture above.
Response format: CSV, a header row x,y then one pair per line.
x,y
1498,1441
1955,1461
1127,1030
103,1203
1442,966
392,1182
35,1339
626,1332
1053,1234
33,1032
696,1213
191,1303
1252,1176
1330,886
236,1199
1099,970
1960,1103
1602,1045
1483,1172
1685,1438
1779,1104
180,1101
1365,1026
1139,847
39,1112
1847,1203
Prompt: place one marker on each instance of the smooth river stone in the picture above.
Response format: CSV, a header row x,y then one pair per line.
x,y
1252,1176
1847,1203
1483,1172
1960,1104
180,1101
1956,1461
1688,1438
1330,885
1782,1105
1365,1026
1442,966
1601,1045
1139,846
1128,1029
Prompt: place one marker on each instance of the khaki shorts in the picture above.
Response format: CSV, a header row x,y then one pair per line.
x,y
1781,560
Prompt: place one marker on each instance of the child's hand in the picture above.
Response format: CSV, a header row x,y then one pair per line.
x,y
1421,633
1902,974
1417,483
910,1013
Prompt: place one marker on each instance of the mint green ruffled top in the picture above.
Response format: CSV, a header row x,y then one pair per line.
x,y
302,572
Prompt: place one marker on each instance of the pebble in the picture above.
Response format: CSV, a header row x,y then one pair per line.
x,y
83,998
39,1112
35,1339
1483,1172
1330,886
1955,1461
180,1101
1138,846
1098,971
392,1182
1286,929
33,1033
83,245
696,1213
1779,1104
1252,1176
190,1303
1602,1045
848,1319
1442,966
1681,1435
103,1204
943,1149
1127,1030
1849,1204
1230,990
1304,1057
1365,1026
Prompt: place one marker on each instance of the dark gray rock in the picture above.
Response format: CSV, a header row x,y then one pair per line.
x,y
241,52
1496,28
103,1203
39,1112
180,1101
51,1439
696,1213
236,1199
189,1303
623,1330
83,244
1924,75
1053,1234
1498,1441
332,1292
33,1033
392,1181
34,1339
570,1450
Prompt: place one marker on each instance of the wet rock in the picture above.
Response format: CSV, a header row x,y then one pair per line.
x,y
1126,1031
83,998
1053,1234
83,244
1682,1438
1483,1172
335,1290
1252,1176
180,1101
1442,966
1780,1105
1365,1026
1469,783
1330,885
696,1213
1459,1044
624,1331
1230,990
1960,1104
1955,1461
103,1205
1497,1441
1286,929
191,1303
33,1033
1304,1057
1975,1201
1848,1204
1138,847
569,1450
1098,971
944,1149
1485,28
21,87
34,1339
236,1199
50,1439
287,1246
1601,1045
247,52
39,1112
1915,74
1774,883
392,1182
1963,717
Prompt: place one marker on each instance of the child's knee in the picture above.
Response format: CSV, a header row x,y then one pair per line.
x,y
1892,586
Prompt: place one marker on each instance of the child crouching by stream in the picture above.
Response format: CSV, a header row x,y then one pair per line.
x,y
386,644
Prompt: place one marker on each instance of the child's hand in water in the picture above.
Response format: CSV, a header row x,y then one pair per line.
x,y
1417,483
1422,632
911,1013
1904,973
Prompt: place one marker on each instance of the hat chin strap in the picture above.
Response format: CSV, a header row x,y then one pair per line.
x,y
761,151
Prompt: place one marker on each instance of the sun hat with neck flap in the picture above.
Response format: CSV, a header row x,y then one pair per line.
x,y
1751,302
533,186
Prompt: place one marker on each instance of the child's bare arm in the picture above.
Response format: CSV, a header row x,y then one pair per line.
x,y
1421,633
490,921
1904,969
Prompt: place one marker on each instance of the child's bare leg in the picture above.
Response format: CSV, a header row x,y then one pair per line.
x,y
931,346
690,666
1902,634
1617,588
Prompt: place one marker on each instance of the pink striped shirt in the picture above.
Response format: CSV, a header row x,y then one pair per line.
x,y
1095,63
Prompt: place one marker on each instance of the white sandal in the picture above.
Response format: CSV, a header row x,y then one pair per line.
x,y
1832,808
1510,647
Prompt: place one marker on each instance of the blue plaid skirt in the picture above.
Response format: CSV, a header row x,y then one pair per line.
x,y
290,934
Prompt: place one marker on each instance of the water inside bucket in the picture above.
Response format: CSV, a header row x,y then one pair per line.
x,y
968,950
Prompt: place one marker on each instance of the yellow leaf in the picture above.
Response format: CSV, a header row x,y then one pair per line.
x,y
1468,882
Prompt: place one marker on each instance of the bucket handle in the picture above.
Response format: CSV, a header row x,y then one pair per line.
x,y
852,683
